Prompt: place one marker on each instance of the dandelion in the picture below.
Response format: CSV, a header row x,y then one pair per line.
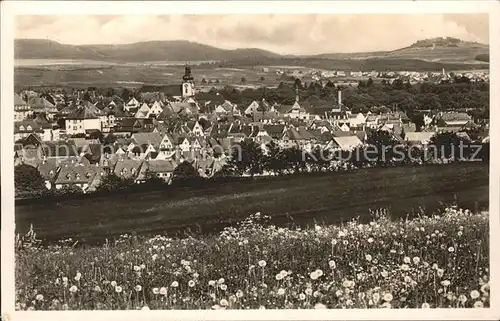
x,y
281,291
445,283
405,267
262,263
384,273
370,240
284,273
368,257
320,306
459,233
174,284
154,257
451,249
302,296
407,260
137,268
220,281
478,304
239,294
332,264
224,303
309,291
138,288
462,298
425,305
223,287
474,294
319,272
39,297
313,275
416,260
73,289
388,297
191,283
113,283
279,276
339,293
157,291
211,283
440,272
118,289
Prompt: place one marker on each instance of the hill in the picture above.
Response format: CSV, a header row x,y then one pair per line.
x,y
445,50
179,50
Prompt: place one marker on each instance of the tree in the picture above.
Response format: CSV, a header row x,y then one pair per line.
x,y
185,174
262,78
203,81
449,146
112,183
369,82
109,139
382,147
28,182
274,160
246,158
86,96
243,80
125,95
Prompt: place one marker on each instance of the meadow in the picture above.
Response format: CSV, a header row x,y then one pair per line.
x,y
328,198
439,261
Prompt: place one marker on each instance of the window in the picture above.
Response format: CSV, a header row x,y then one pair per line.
x,y
75,127
29,127
21,127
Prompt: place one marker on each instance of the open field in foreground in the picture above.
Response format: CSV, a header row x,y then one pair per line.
x,y
426,262
330,198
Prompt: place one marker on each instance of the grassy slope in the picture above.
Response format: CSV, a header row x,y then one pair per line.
x,y
347,195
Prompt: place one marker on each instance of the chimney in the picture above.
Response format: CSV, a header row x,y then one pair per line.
x,y
340,98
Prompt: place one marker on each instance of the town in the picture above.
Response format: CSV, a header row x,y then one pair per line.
x,y
75,141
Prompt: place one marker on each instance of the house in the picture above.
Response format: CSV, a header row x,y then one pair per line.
x,y
128,168
42,105
143,111
144,144
357,120
194,128
84,118
132,105
163,169
418,138
21,109
78,175
256,107
344,142
453,120
156,109
295,112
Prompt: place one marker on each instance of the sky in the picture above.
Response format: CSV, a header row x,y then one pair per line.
x,y
280,33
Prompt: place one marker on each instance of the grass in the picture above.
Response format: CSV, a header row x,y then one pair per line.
x,y
302,200
426,262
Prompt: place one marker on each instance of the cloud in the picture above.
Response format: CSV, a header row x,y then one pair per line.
x,y
286,34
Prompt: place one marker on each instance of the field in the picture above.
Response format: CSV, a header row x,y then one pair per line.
x,y
330,198
426,262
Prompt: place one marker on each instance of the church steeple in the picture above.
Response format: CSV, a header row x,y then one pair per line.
x,y
187,83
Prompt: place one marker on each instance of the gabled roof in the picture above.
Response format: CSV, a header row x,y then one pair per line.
x,y
347,142
76,174
127,168
84,112
41,104
455,117
275,131
161,166
147,138
420,137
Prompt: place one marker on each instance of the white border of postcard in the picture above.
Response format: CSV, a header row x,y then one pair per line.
x,y
11,8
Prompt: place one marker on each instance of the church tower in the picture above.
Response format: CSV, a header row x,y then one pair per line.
x,y
187,83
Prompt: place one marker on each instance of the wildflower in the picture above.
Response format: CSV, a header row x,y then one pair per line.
x,y
474,294
339,293
334,242
137,268
319,272
284,273
39,297
459,233
191,283
138,288
118,289
416,260
211,283
302,296
195,275
58,281
384,274
154,257
332,264
386,305
451,249
462,298
224,303
113,283
145,308
341,234
239,294
425,305
368,257
279,276
434,266
405,267
309,291
320,306
223,287
281,291
440,272
345,242
313,275
73,289
388,297
407,260
376,297
445,283
485,288
157,291
97,288
174,284
370,240
262,263
478,304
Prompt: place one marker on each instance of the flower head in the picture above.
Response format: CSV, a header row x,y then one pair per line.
x,y
262,263
174,284
474,294
118,289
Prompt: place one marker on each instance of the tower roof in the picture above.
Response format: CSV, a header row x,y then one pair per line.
x,y
187,74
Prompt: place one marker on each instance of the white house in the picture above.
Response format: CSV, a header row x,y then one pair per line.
x,y
155,109
81,120
132,104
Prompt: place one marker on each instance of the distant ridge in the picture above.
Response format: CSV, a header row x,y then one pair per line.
x,y
444,49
